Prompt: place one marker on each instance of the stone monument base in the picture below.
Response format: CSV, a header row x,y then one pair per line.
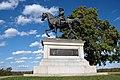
x,y
64,66
63,57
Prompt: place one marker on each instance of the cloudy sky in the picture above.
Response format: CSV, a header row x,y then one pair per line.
x,y
21,29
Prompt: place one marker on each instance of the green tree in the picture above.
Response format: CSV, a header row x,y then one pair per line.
x,y
102,40
9,69
6,72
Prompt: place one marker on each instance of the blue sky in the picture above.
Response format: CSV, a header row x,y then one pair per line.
x,y
21,29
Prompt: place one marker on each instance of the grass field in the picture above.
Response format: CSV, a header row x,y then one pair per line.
x,y
102,77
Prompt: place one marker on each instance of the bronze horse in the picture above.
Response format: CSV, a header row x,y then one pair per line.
x,y
55,23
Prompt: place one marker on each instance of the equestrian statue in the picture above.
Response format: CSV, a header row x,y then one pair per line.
x,y
59,22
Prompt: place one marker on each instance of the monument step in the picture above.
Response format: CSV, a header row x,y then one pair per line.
x,y
62,62
59,69
73,74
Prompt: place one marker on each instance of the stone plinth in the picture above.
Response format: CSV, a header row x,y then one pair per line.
x,y
63,56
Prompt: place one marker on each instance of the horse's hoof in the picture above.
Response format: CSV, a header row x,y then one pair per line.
x,y
48,36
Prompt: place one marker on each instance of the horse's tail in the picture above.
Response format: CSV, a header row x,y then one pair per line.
x,y
77,20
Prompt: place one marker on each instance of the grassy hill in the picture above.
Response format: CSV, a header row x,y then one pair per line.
x,y
102,77
114,75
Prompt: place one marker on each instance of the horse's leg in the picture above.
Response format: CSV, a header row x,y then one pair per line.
x,y
55,30
56,33
74,33
46,31
70,26
71,30
68,33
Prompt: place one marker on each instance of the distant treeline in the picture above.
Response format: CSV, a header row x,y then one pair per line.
x,y
5,71
8,71
109,70
22,72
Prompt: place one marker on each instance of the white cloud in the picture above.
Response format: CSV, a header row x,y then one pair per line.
x,y
1,62
9,4
38,51
36,10
32,13
32,32
2,44
25,58
23,34
11,32
38,58
44,35
51,35
27,33
34,44
9,58
2,21
40,46
37,20
23,66
23,20
118,18
37,36
21,52
18,62
27,52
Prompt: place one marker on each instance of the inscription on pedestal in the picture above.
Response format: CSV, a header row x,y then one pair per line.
x,y
63,52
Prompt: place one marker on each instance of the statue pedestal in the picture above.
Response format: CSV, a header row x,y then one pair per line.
x,y
63,57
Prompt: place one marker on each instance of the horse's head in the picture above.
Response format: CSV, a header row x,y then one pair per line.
x,y
44,15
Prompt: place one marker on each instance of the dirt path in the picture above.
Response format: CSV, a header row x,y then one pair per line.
x,y
1,77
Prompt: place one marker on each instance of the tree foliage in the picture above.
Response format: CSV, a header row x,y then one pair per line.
x,y
8,71
102,40
5,72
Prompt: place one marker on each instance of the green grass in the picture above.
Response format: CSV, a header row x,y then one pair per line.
x,y
102,77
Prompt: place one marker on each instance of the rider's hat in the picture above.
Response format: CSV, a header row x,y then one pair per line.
x,y
61,9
